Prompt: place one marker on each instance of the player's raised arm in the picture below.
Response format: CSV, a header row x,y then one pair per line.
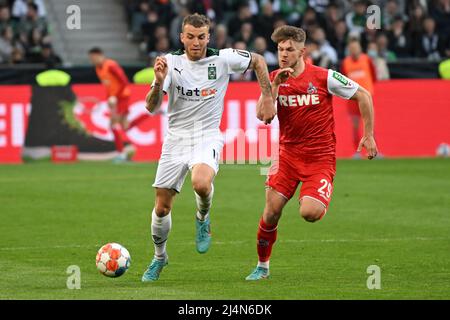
x,y
155,96
365,103
265,108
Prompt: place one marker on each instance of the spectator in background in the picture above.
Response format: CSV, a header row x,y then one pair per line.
x,y
34,48
20,8
441,14
390,13
138,18
247,75
6,45
148,30
415,22
17,56
246,35
260,47
161,48
49,57
332,18
356,19
325,48
291,10
358,67
315,56
399,41
380,63
430,44
175,27
5,19
383,49
220,39
320,6
32,21
339,38
310,20
244,15
161,32
265,22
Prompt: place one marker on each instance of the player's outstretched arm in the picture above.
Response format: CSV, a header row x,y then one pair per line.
x,y
364,99
265,108
155,96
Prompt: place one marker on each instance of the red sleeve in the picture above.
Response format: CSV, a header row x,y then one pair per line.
x,y
272,75
373,72
120,75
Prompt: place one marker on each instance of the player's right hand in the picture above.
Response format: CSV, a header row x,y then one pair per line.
x,y
282,76
161,69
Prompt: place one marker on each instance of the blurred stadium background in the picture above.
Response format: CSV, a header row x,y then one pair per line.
x,y
410,52
393,212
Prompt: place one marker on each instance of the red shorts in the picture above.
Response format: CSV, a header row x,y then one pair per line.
x,y
122,106
316,177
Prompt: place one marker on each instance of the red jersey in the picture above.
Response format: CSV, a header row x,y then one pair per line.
x,y
305,110
113,77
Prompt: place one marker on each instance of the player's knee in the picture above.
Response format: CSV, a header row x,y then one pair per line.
x,y
312,214
162,209
272,215
201,187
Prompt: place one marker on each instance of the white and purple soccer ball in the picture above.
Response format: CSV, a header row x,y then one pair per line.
x,y
113,260
443,150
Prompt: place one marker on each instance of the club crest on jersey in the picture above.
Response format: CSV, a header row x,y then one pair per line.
x,y
311,89
212,72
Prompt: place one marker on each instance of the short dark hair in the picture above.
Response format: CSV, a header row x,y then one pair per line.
x,y
288,33
96,50
196,20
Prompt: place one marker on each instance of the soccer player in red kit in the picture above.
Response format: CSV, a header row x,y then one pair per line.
x,y
307,151
112,76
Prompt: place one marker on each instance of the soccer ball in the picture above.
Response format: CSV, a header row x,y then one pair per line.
x,y
443,150
113,260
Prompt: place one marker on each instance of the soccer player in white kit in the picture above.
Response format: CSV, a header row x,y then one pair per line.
x,y
196,80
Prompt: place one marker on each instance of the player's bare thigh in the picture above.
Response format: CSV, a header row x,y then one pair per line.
x,y
311,209
275,203
164,201
202,177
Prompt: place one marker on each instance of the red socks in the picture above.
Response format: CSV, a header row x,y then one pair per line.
x,y
117,138
267,235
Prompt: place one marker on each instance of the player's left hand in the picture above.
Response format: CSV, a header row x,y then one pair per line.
x,y
368,142
282,76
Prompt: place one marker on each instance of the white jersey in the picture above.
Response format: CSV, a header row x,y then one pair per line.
x,y
197,89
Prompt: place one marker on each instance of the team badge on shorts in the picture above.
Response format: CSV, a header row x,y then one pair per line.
x,y
212,72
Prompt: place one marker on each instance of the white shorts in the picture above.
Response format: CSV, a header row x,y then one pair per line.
x,y
176,160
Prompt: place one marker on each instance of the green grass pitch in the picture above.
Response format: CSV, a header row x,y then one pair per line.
x,y
391,213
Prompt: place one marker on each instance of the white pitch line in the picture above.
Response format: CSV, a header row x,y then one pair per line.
x,y
243,242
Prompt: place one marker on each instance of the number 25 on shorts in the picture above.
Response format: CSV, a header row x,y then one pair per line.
x,y
326,188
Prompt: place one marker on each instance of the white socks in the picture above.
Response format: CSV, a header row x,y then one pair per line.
x,y
204,204
263,264
160,231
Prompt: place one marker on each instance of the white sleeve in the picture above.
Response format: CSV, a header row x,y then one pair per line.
x,y
168,79
341,86
236,60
